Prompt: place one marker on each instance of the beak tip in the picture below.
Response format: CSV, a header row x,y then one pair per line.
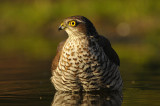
x,y
59,28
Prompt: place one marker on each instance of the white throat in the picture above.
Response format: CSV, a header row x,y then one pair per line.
x,y
74,34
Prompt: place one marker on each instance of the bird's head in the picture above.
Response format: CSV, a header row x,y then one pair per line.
x,y
78,26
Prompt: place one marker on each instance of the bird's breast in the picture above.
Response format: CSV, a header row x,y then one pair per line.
x,y
84,63
80,55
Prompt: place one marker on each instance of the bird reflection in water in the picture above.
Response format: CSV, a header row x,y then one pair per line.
x,y
87,99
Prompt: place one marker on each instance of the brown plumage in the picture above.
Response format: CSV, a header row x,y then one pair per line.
x,y
58,54
85,61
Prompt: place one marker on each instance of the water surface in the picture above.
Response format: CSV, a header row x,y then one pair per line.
x,y
27,83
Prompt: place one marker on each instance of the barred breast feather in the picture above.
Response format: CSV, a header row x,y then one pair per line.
x,y
86,64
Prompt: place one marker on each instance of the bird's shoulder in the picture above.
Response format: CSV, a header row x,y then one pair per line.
x,y
58,54
109,51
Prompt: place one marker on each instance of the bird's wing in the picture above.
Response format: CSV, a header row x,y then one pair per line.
x,y
58,54
109,51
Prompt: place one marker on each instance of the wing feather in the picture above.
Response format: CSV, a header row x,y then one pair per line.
x,y
109,51
58,54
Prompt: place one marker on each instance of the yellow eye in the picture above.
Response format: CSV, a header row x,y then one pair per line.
x,y
72,23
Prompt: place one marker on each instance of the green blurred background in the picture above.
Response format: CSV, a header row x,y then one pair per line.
x,y
29,27
29,30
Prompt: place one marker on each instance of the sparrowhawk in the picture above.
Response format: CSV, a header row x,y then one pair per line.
x,y
85,61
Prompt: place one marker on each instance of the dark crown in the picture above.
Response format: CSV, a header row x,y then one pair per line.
x,y
88,24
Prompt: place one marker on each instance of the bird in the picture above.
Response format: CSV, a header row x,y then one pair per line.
x,y
85,61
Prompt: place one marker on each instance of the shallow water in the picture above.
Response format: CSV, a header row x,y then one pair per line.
x,y
25,82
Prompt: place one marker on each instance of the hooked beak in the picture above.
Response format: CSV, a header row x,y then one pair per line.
x,y
61,27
